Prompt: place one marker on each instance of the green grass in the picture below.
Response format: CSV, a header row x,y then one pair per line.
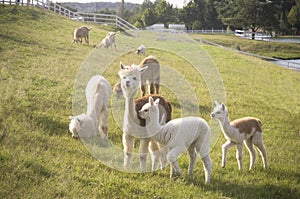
x,y
282,50
42,73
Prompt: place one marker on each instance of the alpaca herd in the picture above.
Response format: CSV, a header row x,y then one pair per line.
x,y
83,32
148,119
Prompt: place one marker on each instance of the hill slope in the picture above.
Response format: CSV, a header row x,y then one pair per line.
x,y
39,159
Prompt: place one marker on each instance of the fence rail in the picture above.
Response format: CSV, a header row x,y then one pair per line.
x,y
113,20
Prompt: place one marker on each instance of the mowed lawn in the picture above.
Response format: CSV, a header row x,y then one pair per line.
x,y
39,71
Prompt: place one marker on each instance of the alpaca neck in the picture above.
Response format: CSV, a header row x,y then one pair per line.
x,y
130,112
154,127
227,128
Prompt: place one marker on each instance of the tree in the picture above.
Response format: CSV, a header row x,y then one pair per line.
x,y
122,9
149,17
247,14
294,16
164,11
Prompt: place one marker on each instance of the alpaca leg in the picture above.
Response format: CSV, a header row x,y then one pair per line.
x,y
207,164
225,148
143,89
104,116
172,158
176,169
193,158
252,151
152,88
143,153
258,141
155,154
128,144
156,85
239,155
163,156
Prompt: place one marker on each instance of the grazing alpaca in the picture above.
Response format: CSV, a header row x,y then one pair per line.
x,y
97,92
141,50
81,32
178,134
130,78
246,130
151,75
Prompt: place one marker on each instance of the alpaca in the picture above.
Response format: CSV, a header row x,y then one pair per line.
x,y
97,92
141,50
151,75
178,134
109,40
247,130
130,78
81,32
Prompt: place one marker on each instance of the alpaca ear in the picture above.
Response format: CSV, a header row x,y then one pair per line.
x,y
151,101
217,103
71,117
122,66
223,107
156,102
79,121
143,69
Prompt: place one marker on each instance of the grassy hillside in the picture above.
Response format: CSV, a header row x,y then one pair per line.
x,y
39,159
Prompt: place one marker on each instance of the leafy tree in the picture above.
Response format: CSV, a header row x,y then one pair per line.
x,y
248,14
188,14
164,11
149,17
294,16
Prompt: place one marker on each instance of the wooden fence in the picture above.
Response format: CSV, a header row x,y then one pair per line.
x,y
113,20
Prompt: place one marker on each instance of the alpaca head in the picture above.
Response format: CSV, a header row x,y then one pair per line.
x,y
130,78
82,126
150,110
220,111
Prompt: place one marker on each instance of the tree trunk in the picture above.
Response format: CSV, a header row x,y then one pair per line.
x,y
122,9
253,33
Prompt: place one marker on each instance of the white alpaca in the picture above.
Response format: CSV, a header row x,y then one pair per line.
x,y
246,130
141,50
130,79
192,133
109,40
97,92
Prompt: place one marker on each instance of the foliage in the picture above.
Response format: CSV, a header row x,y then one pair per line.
x,y
247,14
294,16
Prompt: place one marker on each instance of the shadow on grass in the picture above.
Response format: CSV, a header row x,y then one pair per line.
x,y
245,190
51,126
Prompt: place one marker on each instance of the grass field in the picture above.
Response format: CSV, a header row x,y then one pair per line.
x,y
281,50
42,77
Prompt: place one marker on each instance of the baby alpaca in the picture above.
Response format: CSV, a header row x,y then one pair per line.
x,y
97,92
247,130
178,134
